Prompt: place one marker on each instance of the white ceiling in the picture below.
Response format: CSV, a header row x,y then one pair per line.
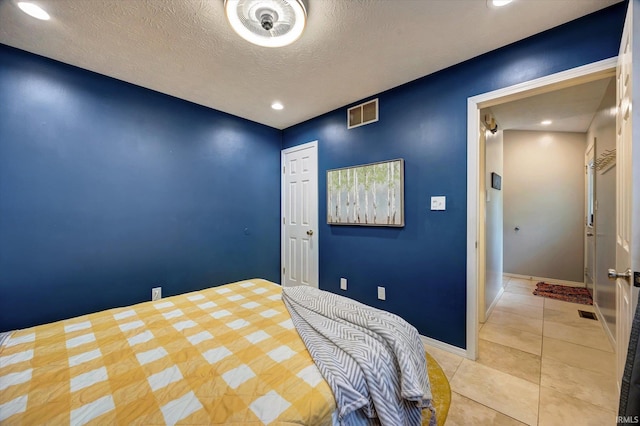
x,y
570,109
350,49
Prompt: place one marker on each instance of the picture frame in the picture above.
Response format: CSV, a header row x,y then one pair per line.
x,y
367,195
496,181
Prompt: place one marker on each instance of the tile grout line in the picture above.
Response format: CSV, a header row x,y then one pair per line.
x,y
575,343
502,326
541,355
492,409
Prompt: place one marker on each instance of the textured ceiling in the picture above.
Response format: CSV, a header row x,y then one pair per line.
x,y
571,109
350,49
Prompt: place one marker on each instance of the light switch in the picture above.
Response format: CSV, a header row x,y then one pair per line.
x,y
438,203
343,283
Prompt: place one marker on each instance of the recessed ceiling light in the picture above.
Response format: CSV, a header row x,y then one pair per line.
x,y
546,122
33,10
277,105
500,3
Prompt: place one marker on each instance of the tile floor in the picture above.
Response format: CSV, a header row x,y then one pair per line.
x,y
539,363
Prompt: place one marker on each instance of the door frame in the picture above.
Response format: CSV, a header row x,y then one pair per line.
x,y
583,74
283,153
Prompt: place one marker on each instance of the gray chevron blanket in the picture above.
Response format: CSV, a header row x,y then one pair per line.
x,y
373,360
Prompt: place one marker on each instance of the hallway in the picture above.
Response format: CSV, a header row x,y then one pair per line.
x,y
539,363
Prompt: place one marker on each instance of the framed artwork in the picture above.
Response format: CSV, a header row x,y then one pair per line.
x,y
496,181
369,195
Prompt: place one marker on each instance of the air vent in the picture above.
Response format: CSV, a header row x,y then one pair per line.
x,y
586,314
362,114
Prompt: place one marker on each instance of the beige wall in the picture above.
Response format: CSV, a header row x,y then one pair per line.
x,y
543,187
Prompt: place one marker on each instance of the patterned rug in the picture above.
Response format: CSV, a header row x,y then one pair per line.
x,y
562,292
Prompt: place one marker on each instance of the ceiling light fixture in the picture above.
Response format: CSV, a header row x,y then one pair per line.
x,y
277,105
268,23
34,10
500,3
546,122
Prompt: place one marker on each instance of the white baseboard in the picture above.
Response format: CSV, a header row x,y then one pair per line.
x,y
547,280
444,346
603,323
493,304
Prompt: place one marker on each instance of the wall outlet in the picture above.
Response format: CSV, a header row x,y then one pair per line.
x,y
382,294
439,203
343,283
156,293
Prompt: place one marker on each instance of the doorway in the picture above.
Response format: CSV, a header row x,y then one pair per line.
x,y
475,169
558,200
299,210
516,330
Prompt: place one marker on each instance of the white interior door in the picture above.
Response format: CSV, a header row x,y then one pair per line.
x,y
299,256
627,198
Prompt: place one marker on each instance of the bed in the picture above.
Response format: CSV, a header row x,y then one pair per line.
x,y
224,355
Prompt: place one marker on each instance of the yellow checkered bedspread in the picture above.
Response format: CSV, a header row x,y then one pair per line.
x,y
225,355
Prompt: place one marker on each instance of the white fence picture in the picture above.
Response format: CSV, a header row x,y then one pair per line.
x,y
371,194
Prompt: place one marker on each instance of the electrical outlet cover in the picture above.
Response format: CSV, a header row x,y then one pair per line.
x,y
156,293
439,203
343,283
382,295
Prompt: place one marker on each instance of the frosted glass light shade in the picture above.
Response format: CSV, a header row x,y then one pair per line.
x,y
268,23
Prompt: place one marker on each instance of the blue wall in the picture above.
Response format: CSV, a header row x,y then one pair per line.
x,y
108,189
423,265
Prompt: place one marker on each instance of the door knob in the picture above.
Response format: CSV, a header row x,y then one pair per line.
x,y
309,232
613,274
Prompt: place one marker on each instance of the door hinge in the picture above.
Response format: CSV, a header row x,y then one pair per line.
x,y
283,271
476,244
283,169
283,221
